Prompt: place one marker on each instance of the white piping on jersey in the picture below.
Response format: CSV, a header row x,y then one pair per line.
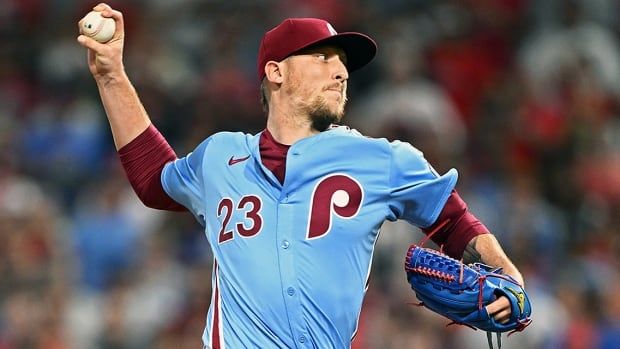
x,y
217,303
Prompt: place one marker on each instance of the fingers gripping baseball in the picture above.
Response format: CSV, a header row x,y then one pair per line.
x,y
104,59
108,12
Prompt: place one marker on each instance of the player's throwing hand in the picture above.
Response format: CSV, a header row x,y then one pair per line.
x,y
105,60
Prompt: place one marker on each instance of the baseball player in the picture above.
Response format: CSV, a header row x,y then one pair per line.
x,y
292,213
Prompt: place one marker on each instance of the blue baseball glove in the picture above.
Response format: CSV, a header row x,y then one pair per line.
x,y
460,292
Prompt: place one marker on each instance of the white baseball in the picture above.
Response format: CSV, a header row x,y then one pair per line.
x,y
98,27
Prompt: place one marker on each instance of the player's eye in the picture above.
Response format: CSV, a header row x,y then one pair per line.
x,y
321,57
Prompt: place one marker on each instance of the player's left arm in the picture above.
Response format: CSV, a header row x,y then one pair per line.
x,y
417,191
486,249
463,236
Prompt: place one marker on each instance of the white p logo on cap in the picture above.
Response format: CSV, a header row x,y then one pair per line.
x,y
331,29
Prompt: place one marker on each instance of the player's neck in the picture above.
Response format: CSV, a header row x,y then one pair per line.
x,y
288,128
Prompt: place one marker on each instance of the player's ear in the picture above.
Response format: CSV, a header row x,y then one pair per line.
x,y
273,72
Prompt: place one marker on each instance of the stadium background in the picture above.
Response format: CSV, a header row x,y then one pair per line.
x,y
521,96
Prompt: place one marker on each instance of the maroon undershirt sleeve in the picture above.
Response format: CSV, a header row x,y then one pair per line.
x,y
143,160
460,229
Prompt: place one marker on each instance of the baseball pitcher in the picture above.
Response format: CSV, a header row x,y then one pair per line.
x,y
292,213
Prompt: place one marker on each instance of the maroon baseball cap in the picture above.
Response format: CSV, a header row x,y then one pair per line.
x,y
295,34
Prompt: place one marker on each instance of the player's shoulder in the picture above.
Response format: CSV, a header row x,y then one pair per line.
x,y
223,142
229,139
337,131
397,149
229,136
357,136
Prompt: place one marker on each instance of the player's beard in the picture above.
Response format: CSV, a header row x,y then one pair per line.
x,y
322,116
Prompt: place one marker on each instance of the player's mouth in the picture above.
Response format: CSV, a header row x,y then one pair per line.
x,y
336,90
335,87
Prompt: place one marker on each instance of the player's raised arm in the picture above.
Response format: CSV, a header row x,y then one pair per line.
x,y
142,149
125,112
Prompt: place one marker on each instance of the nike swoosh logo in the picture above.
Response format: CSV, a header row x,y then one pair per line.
x,y
233,161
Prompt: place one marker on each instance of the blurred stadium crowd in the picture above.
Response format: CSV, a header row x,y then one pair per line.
x,y
521,96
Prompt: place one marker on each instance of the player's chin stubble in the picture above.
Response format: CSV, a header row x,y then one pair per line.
x,y
322,116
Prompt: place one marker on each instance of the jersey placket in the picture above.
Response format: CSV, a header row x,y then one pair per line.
x,y
287,236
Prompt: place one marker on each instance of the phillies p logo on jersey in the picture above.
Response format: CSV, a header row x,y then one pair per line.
x,y
337,194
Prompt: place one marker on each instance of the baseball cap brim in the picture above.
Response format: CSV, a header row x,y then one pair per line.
x,y
360,49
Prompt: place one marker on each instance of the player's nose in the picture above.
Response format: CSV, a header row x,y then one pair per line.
x,y
340,71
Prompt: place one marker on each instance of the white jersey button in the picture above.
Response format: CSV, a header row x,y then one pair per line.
x,y
285,244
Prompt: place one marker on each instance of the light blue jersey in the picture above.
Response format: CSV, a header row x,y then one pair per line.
x,y
292,261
